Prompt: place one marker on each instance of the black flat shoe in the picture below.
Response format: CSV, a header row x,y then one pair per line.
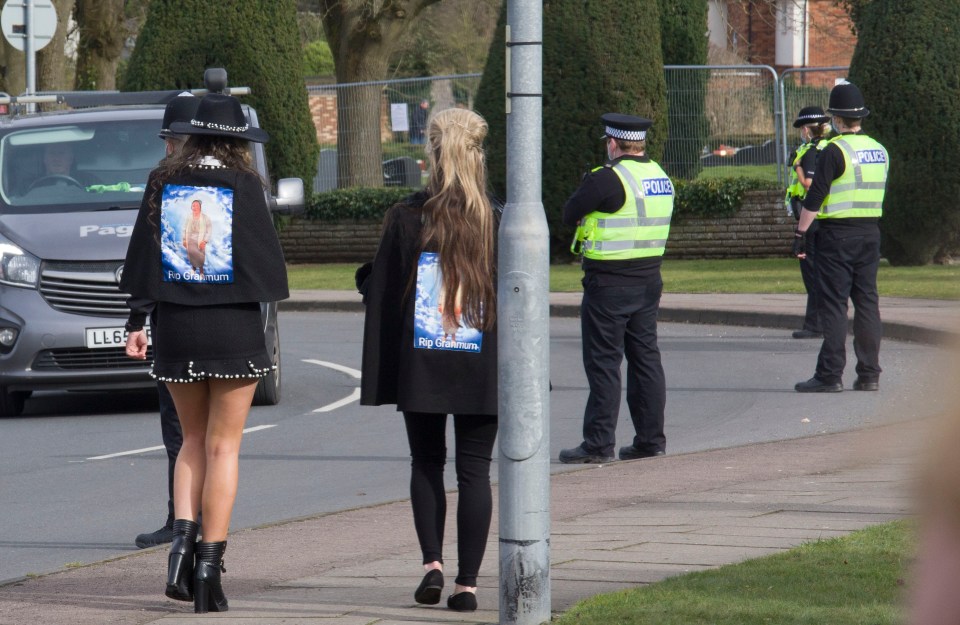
x,y
578,455
428,592
815,385
632,453
462,602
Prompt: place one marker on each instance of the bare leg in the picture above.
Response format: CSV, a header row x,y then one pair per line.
x,y
212,415
192,402
229,405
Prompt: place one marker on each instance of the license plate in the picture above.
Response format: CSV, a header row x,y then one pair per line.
x,y
109,337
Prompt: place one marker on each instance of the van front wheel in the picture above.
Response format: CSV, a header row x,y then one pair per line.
x,y
11,403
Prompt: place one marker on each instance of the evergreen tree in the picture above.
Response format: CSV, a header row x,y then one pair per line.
x,y
257,42
907,64
683,35
597,59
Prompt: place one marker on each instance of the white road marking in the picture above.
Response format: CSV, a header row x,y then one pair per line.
x,y
332,365
352,397
134,452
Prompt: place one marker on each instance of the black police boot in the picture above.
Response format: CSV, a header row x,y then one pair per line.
x,y
207,590
180,561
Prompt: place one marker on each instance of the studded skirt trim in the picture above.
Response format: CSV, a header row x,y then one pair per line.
x,y
198,371
196,343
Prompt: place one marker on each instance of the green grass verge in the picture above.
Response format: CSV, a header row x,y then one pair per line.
x,y
853,580
761,172
700,276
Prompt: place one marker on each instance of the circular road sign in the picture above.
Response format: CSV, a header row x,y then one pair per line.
x,y
13,21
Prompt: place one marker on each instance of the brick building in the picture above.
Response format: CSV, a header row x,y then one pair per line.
x,y
783,33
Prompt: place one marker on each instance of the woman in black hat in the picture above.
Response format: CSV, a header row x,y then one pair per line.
x,y
210,346
814,127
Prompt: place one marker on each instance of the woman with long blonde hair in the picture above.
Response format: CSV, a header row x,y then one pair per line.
x,y
430,346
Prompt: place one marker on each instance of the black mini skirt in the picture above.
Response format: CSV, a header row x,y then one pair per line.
x,y
194,343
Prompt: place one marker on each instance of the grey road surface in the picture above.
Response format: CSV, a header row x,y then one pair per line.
x,y
319,451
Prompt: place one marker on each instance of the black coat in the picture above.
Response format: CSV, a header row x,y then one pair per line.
x,y
260,274
394,371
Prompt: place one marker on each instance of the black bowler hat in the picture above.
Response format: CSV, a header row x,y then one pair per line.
x,y
220,115
180,109
847,101
626,127
810,115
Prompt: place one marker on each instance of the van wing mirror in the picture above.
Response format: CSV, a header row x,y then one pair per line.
x,y
289,199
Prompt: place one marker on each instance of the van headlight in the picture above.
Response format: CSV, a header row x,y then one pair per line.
x,y
17,267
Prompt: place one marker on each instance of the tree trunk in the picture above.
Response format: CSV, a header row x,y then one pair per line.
x,y
14,70
363,34
102,34
52,59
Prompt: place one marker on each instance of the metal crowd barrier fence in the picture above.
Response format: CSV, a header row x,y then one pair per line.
x,y
724,120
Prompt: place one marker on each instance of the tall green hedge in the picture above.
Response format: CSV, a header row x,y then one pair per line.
x,y
257,42
683,40
595,60
907,64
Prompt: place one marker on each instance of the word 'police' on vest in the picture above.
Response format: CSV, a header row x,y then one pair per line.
x,y
871,156
657,186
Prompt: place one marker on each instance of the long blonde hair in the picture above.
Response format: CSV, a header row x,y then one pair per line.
x,y
458,219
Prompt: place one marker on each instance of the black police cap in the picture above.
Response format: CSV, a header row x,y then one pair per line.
x,y
626,127
810,115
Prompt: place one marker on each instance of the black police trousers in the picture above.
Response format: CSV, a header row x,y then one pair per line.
x,y
171,433
811,282
618,321
847,263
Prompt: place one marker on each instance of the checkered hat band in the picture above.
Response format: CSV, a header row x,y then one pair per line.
x,y
626,135
814,116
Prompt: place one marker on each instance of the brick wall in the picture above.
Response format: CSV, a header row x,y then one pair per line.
x,y
831,36
761,229
752,28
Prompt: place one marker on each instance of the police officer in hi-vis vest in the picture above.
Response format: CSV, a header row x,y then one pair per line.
x,y
814,126
622,211
846,200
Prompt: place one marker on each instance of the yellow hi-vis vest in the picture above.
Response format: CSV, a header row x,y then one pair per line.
x,y
795,189
859,191
640,227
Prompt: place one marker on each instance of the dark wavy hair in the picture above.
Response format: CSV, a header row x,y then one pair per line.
x,y
232,152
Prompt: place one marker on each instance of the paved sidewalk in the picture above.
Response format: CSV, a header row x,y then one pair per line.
x,y
613,526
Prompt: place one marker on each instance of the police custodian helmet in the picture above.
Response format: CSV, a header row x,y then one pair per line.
x,y
847,101
626,127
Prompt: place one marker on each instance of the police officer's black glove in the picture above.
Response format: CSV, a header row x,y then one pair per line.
x,y
799,243
796,204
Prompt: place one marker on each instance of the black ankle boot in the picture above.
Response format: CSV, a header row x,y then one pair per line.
x,y
207,591
180,560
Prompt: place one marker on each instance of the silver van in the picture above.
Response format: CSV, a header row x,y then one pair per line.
x,y
70,186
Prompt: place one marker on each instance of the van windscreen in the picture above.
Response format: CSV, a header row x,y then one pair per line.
x,y
78,166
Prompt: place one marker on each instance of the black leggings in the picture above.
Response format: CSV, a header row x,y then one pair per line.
x,y
474,436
